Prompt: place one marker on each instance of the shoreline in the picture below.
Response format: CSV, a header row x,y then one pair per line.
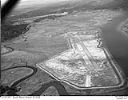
x,y
113,62
113,66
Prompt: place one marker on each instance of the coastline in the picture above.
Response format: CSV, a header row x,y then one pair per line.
x,y
109,56
112,60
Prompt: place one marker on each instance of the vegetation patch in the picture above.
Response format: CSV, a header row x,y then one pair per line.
x,y
11,31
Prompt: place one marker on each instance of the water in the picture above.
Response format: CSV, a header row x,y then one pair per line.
x,y
117,43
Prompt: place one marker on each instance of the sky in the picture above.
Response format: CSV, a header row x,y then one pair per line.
x,y
27,3
36,1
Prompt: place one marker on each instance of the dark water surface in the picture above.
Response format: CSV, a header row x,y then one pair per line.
x,y
117,42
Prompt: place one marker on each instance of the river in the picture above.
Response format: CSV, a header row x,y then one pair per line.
x,y
11,91
117,42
